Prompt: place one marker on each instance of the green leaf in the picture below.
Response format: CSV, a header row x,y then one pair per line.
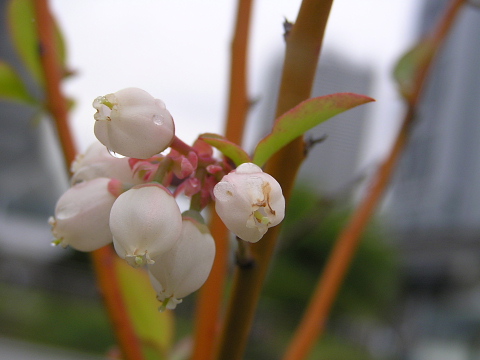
x,y
226,147
23,31
22,25
155,329
411,65
302,118
12,87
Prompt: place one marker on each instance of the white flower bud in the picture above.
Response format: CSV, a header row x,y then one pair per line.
x,y
82,215
97,162
132,123
249,202
184,268
145,222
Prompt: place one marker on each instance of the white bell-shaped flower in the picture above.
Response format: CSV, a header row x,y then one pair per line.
x,y
96,162
249,202
82,215
132,123
185,267
145,222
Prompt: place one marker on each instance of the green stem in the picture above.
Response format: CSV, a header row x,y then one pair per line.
x,y
163,169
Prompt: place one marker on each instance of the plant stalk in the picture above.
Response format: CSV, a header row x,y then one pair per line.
x,y
315,317
210,298
238,101
102,258
302,52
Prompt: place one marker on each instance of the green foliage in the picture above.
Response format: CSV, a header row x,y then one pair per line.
x,y
22,26
23,32
332,348
309,233
227,148
55,318
303,117
12,87
154,329
411,65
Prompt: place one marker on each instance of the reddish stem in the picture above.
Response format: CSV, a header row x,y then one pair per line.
x,y
303,48
56,103
238,102
315,317
181,147
211,294
103,260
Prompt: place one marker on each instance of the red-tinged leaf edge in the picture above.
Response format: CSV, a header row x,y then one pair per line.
x,y
302,118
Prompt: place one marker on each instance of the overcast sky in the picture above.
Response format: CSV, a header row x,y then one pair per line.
x,y
179,52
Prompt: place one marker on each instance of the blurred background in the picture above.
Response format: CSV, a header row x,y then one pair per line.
x,y
414,287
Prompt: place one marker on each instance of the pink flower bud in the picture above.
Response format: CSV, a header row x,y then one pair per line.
x,y
97,162
82,215
145,222
185,267
132,123
249,202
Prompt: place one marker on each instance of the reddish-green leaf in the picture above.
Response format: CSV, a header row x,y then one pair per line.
x,y
302,118
226,147
12,87
155,329
411,65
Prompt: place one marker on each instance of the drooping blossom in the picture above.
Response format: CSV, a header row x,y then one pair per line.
x,y
132,123
145,222
82,216
96,162
186,266
249,202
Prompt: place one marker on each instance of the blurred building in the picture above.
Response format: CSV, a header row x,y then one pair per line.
x,y
32,178
31,174
435,202
333,163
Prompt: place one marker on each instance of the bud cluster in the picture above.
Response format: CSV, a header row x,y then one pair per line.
x,y
129,199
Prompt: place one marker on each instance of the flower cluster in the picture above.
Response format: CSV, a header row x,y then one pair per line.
x,y
130,201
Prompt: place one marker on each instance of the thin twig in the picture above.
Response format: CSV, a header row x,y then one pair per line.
x,y
315,317
56,103
103,258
